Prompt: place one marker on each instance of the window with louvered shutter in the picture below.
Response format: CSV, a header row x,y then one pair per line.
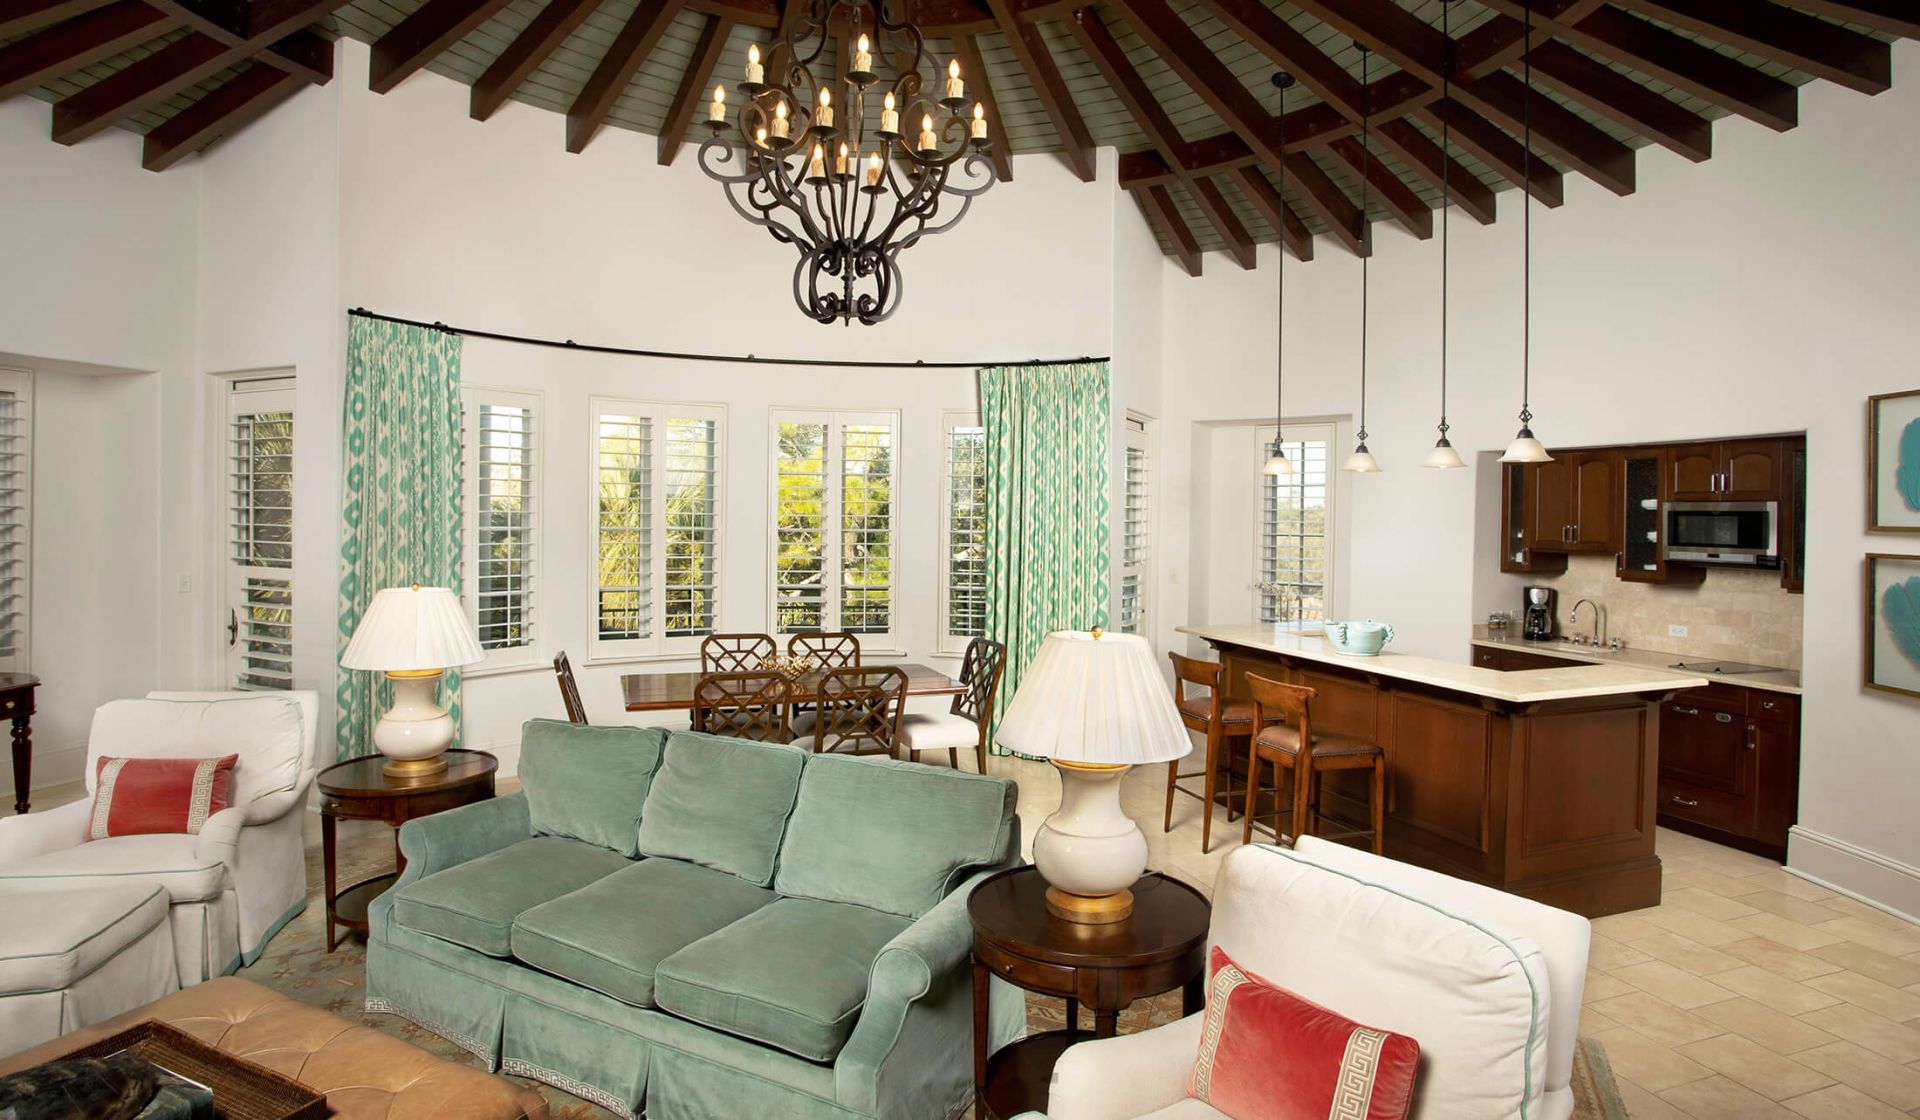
x,y
832,488
260,534
692,487
16,520
500,448
963,562
1296,518
1136,530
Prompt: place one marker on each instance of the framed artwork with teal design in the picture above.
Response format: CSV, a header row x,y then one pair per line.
x,y
1893,462
1893,623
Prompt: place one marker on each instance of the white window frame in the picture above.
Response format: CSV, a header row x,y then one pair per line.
x,y
1295,434
949,642
472,399
657,646
836,420
16,495
233,575
1131,565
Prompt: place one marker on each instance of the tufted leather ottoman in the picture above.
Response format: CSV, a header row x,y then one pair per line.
x,y
366,1075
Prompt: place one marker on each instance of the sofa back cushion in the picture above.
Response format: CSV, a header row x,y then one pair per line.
x,y
722,803
891,836
266,732
588,783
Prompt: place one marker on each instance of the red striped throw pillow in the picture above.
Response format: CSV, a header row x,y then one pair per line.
x,y
1267,1054
135,796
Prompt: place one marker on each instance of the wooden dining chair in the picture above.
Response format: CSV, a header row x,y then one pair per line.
x,y
1285,738
735,653
964,724
859,711
747,705
832,650
569,688
1217,718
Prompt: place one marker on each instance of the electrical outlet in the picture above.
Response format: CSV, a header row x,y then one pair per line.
x,y
1675,630
185,585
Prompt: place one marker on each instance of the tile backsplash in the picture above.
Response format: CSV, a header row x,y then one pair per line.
x,y
1732,615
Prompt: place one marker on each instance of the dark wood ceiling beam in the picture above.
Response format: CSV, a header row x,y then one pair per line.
x,y
154,78
417,39
1259,191
79,42
1030,51
1225,222
1499,43
1680,62
278,35
692,96
1780,34
616,70
1497,150
1607,91
1438,168
552,27
1000,149
231,107
1895,17
1162,215
1395,196
1288,49
775,57
1320,194
18,17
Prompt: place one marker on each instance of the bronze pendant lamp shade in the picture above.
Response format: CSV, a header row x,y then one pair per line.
x,y
1444,456
1525,448
1362,460
1277,462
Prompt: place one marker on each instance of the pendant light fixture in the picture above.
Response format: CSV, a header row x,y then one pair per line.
x,y
1443,456
1362,460
1525,448
1277,462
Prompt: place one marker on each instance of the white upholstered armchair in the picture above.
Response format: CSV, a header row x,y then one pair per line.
x,y
243,876
1487,982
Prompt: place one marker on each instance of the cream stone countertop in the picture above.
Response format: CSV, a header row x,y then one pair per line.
x,y
1773,680
1525,686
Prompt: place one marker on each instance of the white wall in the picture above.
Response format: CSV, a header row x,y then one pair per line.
x,y
1768,290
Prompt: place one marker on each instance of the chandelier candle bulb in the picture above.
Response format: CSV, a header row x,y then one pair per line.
x,y
956,89
979,121
756,74
823,112
889,118
927,142
760,137
862,56
780,120
817,169
718,111
873,169
840,162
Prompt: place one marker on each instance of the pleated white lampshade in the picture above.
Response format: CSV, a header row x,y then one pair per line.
x,y
411,629
1094,699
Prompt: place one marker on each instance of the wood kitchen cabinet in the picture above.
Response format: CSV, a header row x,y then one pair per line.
x,y
1738,470
1641,558
1575,502
1730,766
1517,554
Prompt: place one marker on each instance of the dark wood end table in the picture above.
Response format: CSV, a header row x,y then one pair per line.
x,y
16,705
357,790
1163,946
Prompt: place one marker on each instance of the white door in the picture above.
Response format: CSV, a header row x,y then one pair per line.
x,y
259,534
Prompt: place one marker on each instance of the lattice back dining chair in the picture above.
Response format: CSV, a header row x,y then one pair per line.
x,y
834,650
1283,714
569,688
749,705
735,653
859,711
964,724
1219,719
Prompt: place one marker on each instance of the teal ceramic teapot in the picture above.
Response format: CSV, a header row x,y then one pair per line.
x,y
1362,639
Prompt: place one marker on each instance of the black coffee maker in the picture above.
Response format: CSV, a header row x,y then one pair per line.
x,y
1536,619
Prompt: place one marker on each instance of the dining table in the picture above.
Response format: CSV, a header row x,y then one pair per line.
x,y
667,692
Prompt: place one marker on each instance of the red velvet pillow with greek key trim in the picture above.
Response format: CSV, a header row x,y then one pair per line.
x,y
133,796
1267,1054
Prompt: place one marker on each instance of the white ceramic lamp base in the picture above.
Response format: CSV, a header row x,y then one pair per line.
x,y
416,731
1090,852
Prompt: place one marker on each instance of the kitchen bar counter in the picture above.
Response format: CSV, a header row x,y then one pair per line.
x,y
1540,782
1773,680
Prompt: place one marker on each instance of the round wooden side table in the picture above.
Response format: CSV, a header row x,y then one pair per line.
x,y
356,790
1163,946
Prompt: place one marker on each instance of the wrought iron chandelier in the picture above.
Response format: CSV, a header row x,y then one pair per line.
x,y
798,158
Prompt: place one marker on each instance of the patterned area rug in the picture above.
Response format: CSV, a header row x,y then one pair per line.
x,y
297,962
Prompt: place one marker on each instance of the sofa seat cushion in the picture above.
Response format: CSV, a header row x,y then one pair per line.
x,y
722,803
588,783
611,935
792,975
474,904
157,859
73,931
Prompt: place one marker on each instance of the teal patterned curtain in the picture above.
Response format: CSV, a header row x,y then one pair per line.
x,y
400,494
1048,430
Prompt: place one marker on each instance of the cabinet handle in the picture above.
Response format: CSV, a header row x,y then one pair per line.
x,y
1678,800
1723,717
1768,705
1750,731
1679,711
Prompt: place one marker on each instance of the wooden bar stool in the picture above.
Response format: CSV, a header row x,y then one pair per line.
x,y
1284,714
1214,716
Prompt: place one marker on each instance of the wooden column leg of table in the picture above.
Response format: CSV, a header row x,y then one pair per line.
x,y
22,764
326,858
982,983
1106,1024
1073,1015
1193,996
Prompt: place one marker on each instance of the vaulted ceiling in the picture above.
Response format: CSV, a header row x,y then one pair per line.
x,y
1182,88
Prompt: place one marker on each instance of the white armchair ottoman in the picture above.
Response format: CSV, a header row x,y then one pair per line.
x,y
74,957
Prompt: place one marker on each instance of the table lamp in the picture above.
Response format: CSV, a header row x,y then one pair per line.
x,y
413,634
1094,705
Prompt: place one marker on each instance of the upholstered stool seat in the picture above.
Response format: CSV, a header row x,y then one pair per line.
x,y
366,1075
1286,740
1232,712
76,956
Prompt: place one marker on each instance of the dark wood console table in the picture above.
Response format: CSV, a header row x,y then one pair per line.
x,y
16,704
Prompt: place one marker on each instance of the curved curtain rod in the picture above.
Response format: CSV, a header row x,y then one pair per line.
x,y
747,359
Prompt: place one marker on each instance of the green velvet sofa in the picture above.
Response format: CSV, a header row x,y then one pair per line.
x,y
692,927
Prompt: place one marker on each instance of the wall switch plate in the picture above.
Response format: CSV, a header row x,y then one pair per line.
x,y
185,585
1675,630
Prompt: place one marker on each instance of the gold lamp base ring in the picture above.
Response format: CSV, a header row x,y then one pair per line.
x,y
1090,909
415,768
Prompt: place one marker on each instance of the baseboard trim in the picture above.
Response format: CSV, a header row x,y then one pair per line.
x,y
1867,876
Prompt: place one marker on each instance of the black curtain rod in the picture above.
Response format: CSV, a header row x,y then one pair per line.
x,y
748,359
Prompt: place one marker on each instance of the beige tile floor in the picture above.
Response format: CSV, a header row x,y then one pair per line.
x,y
1747,994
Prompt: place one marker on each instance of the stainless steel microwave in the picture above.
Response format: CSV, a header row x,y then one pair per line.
x,y
1736,533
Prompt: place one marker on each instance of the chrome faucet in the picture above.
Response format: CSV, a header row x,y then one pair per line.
x,y
1573,616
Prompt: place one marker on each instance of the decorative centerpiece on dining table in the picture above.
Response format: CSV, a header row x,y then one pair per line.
x,y
789,665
